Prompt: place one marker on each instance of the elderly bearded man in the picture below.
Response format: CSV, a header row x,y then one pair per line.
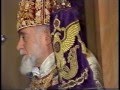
x,y
54,56
36,47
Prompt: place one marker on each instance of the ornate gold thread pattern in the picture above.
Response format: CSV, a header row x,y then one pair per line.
x,y
78,81
94,65
43,83
65,72
68,73
70,32
85,50
33,12
37,12
65,44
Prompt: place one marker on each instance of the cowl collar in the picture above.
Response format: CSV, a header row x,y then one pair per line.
x,y
45,68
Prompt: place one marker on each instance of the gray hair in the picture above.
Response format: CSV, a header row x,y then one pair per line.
x,y
45,29
42,28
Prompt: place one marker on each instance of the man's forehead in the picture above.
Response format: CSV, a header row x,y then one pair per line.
x,y
43,27
32,29
26,30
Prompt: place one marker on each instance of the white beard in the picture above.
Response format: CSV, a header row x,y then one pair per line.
x,y
27,63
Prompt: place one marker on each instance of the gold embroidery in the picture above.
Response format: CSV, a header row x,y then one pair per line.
x,y
44,82
94,65
61,46
68,73
32,13
78,81
57,4
85,50
37,12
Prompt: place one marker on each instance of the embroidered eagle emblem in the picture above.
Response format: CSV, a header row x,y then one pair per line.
x,y
63,41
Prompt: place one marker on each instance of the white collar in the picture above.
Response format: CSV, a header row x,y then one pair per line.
x,y
46,66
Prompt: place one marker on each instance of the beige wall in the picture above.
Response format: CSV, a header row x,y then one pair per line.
x,y
107,22
102,36
11,77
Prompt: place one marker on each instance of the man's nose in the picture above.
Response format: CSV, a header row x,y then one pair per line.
x,y
20,45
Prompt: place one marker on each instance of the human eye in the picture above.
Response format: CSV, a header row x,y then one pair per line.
x,y
23,37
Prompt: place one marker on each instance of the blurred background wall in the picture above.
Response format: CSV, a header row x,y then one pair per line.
x,y
10,61
102,39
106,18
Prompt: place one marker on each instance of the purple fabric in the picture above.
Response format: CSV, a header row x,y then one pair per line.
x,y
80,6
67,16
